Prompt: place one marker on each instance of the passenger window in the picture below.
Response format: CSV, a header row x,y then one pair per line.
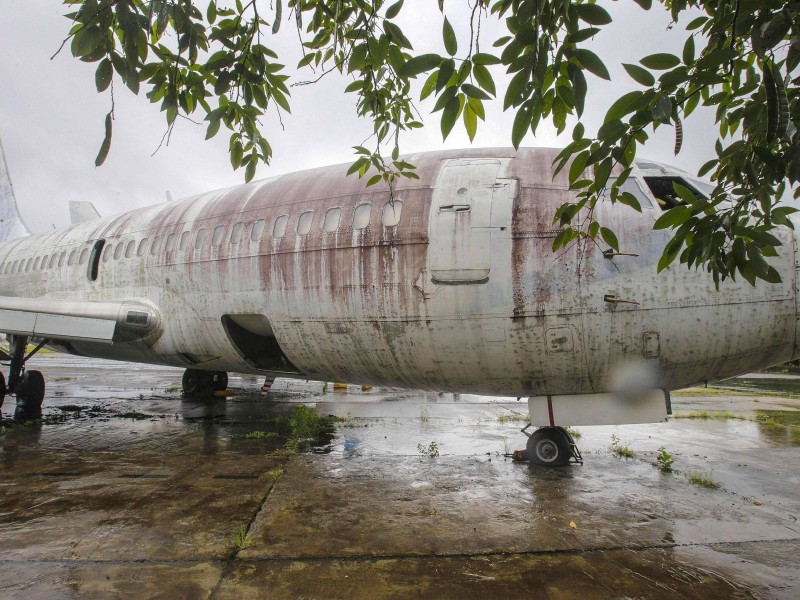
x,y
304,223
84,255
391,213
279,229
331,221
236,233
36,263
129,249
361,216
53,260
71,260
106,253
142,246
118,250
258,230
28,264
184,240
216,239
14,266
170,245
198,240
154,246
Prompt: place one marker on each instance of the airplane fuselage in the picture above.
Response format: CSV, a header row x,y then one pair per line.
x,y
448,284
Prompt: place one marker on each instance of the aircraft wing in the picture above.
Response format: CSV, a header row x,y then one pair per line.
x,y
88,321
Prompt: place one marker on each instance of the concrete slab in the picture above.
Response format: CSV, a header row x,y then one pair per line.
x,y
127,490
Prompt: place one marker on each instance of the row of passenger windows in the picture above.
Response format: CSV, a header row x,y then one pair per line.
x,y
330,224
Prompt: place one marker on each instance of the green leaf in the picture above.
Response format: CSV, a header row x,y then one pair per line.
x,y
662,109
609,237
103,75
522,122
449,37
688,51
593,14
673,217
420,64
591,62
620,108
213,128
394,10
660,61
484,78
640,75
450,114
485,59
470,122
474,92
106,145
373,180
582,35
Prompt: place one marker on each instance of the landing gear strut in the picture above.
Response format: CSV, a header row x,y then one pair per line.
x,y
551,446
27,386
197,383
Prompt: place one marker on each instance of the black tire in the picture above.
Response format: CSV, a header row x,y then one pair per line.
x,y
219,381
548,446
196,382
30,395
3,389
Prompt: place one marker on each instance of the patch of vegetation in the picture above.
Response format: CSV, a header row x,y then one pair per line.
x,y
241,537
664,460
512,418
261,435
431,449
573,432
619,449
705,414
424,414
173,389
703,480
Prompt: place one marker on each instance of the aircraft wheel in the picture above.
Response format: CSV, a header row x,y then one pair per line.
x,y
548,446
30,395
219,381
3,389
196,382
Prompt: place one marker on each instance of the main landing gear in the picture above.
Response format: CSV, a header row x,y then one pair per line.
x,y
26,386
201,383
551,446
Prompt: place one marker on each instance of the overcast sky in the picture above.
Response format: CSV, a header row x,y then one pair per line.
x,y
51,117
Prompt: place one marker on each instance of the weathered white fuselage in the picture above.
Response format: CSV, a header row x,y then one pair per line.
x,y
463,294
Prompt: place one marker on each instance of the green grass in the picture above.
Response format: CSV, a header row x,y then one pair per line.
x,y
241,537
703,480
431,449
664,460
619,449
513,418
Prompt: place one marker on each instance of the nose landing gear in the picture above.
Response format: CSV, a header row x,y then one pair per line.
x,y
551,446
27,386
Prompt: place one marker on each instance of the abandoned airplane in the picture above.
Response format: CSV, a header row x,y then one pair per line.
x,y
451,286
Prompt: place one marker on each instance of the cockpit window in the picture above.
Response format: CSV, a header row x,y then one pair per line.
x,y
664,191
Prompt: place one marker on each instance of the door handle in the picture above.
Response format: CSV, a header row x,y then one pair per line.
x,y
454,208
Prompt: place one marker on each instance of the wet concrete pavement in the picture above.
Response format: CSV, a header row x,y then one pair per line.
x,y
126,490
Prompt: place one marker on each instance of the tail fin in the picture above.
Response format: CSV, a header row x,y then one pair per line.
x,y
11,224
82,211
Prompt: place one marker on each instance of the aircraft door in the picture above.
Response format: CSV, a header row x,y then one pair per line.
x,y
459,250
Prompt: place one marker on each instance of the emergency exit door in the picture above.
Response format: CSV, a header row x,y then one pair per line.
x,y
459,249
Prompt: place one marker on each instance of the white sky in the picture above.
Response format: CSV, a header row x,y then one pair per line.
x,y
51,117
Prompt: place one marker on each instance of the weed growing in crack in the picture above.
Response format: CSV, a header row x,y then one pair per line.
x,y
619,449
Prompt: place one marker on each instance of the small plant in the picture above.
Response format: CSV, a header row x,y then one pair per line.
x,y
241,537
664,460
573,432
513,418
173,389
431,449
424,414
256,435
506,447
703,480
619,449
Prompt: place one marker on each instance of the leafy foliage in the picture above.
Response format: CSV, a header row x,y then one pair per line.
x,y
739,58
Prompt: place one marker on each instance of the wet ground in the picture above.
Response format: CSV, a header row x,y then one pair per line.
x,y
126,490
